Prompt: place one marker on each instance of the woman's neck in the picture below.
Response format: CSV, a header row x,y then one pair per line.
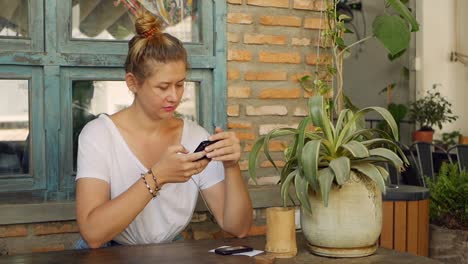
x,y
136,119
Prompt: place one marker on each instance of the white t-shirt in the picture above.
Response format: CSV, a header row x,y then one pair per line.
x,y
104,154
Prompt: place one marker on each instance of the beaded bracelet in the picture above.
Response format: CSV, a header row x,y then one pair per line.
x,y
153,193
155,180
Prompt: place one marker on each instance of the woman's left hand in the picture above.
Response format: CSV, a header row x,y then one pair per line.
x,y
227,149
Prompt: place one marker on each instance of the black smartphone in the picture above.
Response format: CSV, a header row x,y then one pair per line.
x,y
232,250
202,147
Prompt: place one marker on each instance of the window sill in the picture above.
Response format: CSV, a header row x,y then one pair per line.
x,y
32,210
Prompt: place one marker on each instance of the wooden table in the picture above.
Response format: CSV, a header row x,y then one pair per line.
x,y
194,252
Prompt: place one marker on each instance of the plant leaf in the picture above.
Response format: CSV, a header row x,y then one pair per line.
x,y
388,155
383,172
403,10
301,129
358,115
325,178
372,172
253,156
393,32
285,186
318,113
310,160
301,186
357,149
341,168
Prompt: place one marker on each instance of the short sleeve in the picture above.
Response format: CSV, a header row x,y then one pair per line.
x,y
92,161
212,174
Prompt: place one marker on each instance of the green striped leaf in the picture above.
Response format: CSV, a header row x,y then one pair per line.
x,y
302,188
372,172
325,178
285,186
388,155
357,149
310,160
341,168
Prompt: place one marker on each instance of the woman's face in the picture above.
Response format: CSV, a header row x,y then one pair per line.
x,y
161,92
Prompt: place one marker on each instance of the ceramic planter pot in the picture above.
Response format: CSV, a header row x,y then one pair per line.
x,y
423,136
281,232
351,224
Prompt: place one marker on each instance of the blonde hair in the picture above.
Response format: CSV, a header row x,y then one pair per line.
x,y
150,45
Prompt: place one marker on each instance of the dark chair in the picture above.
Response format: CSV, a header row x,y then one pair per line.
x,y
429,158
410,176
461,152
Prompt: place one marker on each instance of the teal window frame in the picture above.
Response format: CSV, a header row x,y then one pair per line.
x,y
51,60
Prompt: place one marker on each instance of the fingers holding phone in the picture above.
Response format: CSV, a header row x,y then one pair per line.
x,y
227,148
178,165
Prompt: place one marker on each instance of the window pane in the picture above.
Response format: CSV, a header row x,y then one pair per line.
x,y
91,98
104,20
14,127
14,20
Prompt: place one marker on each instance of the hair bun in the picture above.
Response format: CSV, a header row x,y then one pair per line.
x,y
147,25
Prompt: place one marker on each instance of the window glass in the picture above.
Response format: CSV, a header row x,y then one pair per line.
x,y
112,20
14,127
91,98
14,19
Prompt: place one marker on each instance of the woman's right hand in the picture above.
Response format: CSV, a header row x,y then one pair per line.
x,y
178,165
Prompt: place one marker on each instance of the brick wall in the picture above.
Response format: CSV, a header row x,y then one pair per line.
x,y
271,43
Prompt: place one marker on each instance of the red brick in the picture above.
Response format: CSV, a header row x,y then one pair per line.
x,y
233,37
257,230
267,164
239,18
287,21
239,55
265,76
264,39
56,228
233,110
269,3
315,23
49,248
245,135
315,5
13,231
274,145
232,74
238,92
280,93
280,57
240,125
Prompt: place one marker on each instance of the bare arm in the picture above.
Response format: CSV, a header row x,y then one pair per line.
x,y
229,200
100,218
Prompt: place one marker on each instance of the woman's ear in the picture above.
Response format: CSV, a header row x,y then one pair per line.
x,y
132,82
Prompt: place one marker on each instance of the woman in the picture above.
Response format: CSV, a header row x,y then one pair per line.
x,y
137,175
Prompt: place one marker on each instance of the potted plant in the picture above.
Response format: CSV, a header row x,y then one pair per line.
x,y
337,177
431,110
335,166
449,214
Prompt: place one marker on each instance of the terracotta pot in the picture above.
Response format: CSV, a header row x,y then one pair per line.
x,y
463,140
351,224
423,136
281,232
